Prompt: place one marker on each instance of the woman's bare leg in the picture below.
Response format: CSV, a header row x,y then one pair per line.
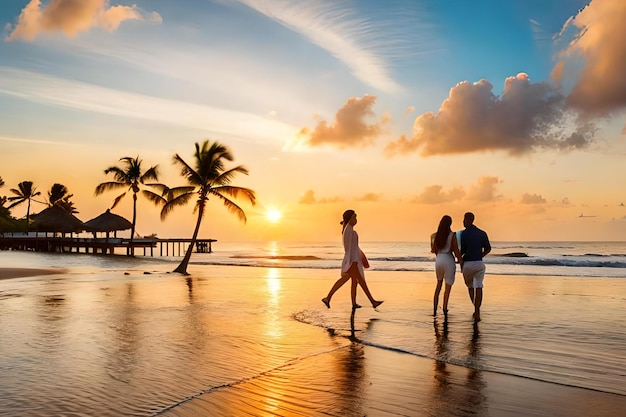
x,y
446,296
338,284
353,293
354,272
436,297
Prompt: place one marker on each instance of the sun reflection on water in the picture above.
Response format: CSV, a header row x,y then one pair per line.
x,y
274,328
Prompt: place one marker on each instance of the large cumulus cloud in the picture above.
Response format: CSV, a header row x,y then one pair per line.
x,y
350,128
527,116
71,17
600,41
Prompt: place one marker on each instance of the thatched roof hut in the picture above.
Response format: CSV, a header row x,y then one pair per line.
x,y
56,219
108,222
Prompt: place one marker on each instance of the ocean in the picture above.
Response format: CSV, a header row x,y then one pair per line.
x,y
579,259
113,335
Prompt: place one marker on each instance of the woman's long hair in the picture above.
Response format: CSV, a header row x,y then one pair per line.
x,y
443,231
347,215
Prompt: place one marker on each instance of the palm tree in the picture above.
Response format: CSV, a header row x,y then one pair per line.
x,y
25,192
131,176
4,212
59,196
3,199
207,178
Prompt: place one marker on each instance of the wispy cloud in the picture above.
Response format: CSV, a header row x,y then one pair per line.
x,y
59,92
37,141
351,39
539,32
309,198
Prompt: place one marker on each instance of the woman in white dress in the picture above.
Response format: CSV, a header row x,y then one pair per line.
x,y
354,260
444,243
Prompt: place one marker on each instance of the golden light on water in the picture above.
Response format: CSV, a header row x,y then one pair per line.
x,y
274,327
273,284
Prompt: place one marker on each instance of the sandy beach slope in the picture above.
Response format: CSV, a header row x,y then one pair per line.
x,y
28,272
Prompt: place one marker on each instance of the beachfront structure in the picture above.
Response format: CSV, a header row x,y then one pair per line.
x,y
62,226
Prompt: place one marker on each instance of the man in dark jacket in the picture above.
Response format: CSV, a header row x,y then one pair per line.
x,y
474,246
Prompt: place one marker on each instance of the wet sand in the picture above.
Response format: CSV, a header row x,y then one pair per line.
x,y
359,380
242,341
28,272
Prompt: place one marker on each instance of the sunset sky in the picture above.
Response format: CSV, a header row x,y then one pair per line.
x,y
401,110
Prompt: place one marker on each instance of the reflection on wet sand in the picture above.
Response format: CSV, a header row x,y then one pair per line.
x,y
456,390
475,384
441,349
122,350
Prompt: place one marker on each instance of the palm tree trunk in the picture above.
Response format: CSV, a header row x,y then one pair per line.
x,y
182,267
132,229
27,216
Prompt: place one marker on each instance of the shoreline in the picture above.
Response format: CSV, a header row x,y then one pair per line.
x,y
8,273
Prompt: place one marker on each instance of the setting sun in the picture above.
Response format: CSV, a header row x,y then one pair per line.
x,y
273,215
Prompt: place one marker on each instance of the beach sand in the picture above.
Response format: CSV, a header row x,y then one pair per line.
x,y
28,272
364,381
243,341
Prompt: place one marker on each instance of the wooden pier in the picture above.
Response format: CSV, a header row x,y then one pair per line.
x,y
167,247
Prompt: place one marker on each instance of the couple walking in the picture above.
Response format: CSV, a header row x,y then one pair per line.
x,y
469,252
353,264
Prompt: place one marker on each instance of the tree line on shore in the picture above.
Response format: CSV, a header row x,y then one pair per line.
x,y
206,176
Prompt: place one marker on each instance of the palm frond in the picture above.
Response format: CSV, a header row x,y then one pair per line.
x,y
117,171
19,201
226,177
154,198
151,174
234,192
173,193
171,204
107,186
117,200
186,171
221,151
233,207
161,188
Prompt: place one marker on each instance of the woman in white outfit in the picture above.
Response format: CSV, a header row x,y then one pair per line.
x,y
444,244
354,260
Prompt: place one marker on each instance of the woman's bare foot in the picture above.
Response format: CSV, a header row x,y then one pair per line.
x,y
377,303
326,302
355,306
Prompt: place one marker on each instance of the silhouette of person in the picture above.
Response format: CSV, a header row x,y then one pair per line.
x,y
474,246
354,260
443,243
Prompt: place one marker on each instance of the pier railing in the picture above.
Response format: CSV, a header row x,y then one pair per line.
x,y
167,247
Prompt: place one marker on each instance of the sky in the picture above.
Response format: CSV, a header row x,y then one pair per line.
x,y
403,110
